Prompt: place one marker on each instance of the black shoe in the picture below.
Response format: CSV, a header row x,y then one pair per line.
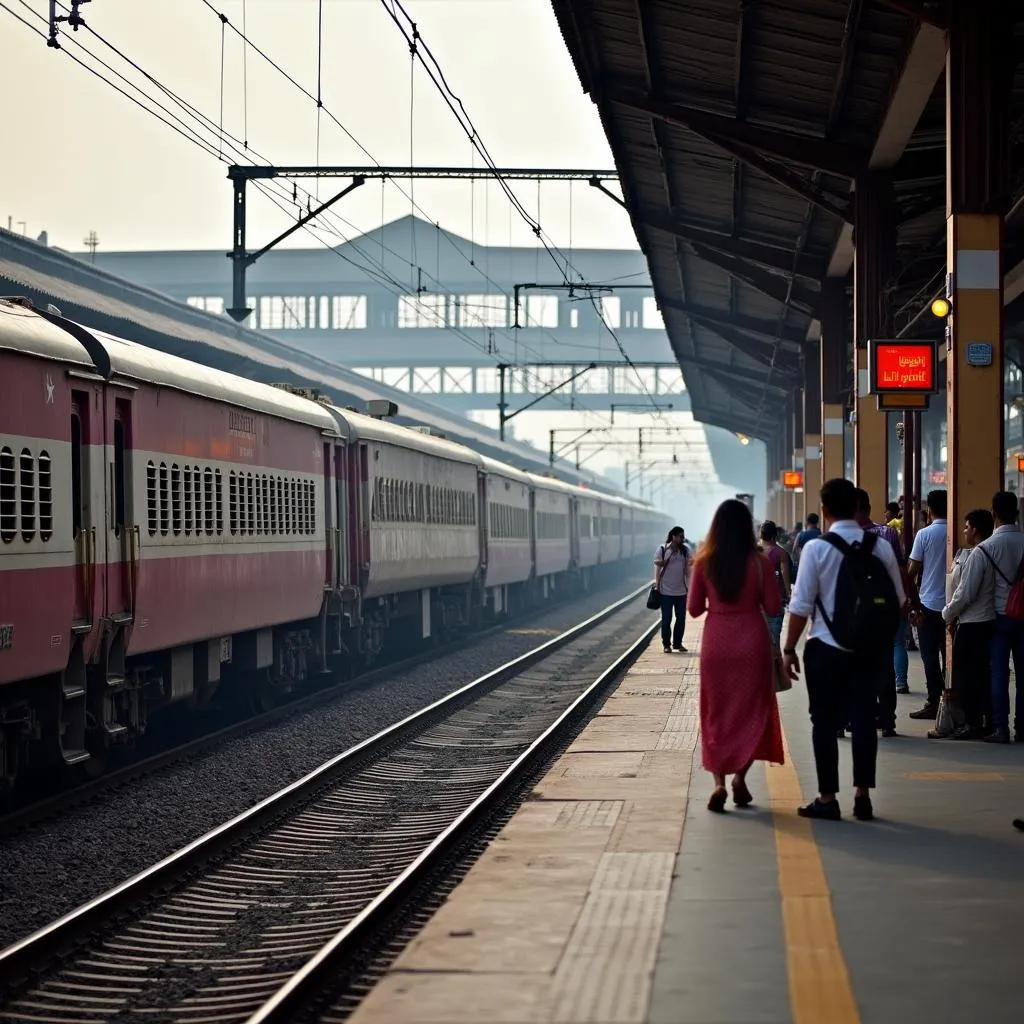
x,y
680,648
862,809
668,650
889,733
903,689
999,736
840,734
928,711
1018,823
825,811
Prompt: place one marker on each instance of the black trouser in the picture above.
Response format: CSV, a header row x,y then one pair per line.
x,y
886,692
841,687
931,638
670,604
971,678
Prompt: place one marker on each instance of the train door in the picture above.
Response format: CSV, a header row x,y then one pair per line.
x,y
359,511
533,530
343,506
121,534
331,533
86,511
481,519
574,531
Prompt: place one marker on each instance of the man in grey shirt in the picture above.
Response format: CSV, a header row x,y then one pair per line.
x,y
1004,552
672,576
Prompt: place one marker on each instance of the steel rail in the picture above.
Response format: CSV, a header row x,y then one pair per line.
x,y
37,951
312,977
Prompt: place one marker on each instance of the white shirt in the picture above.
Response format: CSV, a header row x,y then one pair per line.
x,y
673,576
973,595
819,573
930,551
1006,546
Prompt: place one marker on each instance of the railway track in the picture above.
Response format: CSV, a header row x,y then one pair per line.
x,y
48,806
259,916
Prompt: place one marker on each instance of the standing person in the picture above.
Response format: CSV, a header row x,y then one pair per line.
x,y
970,615
889,678
1005,549
852,580
739,716
927,569
813,532
779,561
671,577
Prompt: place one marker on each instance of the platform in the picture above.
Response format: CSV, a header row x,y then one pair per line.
x,y
613,895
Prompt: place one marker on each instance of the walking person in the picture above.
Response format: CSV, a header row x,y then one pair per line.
x,y
739,716
1005,550
850,583
927,568
779,560
970,615
889,672
671,579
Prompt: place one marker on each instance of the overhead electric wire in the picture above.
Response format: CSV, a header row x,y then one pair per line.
x,y
190,134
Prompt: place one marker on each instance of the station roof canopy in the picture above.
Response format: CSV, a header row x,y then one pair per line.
x,y
738,128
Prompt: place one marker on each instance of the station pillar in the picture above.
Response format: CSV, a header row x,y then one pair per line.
x,y
796,510
978,82
812,429
874,252
833,353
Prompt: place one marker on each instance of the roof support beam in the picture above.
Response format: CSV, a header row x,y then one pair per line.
x,y
765,329
724,370
769,256
803,150
765,352
798,296
920,10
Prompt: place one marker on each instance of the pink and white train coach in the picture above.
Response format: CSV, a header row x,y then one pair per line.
x,y
167,528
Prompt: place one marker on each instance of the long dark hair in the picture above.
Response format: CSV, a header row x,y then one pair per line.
x,y
725,553
672,533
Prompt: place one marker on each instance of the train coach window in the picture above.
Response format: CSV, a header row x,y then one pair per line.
x,y
175,500
8,496
232,503
150,499
28,496
165,505
208,499
45,496
186,500
219,500
197,499
250,510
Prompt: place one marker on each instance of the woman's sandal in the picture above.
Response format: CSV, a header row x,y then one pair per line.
x,y
717,801
741,796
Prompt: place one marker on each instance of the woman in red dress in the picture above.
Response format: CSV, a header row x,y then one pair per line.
x,y
739,716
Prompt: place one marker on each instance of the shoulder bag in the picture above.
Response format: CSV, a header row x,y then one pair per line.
x,y
781,681
654,596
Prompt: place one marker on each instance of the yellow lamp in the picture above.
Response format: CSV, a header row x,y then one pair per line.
x,y
941,307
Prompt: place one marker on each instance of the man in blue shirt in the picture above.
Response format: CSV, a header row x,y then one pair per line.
x,y
927,568
804,537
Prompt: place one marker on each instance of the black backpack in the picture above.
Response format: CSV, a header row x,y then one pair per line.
x,y
867,610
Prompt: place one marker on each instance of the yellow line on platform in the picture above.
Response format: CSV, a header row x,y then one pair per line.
x,y
819,983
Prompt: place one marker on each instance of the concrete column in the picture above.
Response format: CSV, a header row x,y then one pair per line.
x,y
834,349
812,428
979,68
875,250
797,454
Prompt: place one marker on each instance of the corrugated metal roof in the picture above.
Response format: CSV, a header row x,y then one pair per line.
x,y
822,71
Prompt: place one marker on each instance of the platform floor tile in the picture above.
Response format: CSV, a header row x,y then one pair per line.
x,y
561,918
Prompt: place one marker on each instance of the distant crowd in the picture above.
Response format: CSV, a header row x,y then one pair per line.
x,y
866,605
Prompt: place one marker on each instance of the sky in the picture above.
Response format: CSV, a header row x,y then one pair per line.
x,y
90,160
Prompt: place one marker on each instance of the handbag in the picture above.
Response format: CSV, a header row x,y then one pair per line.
x,y
780,679
654,596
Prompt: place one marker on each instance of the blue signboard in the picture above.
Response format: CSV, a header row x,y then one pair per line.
x,y
979,353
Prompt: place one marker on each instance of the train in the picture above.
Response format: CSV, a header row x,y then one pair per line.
x,y
167,529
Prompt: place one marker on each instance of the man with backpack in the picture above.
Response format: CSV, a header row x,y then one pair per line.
x,y
1004,553
849,585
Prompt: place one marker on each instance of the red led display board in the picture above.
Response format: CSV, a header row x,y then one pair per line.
x,y
902,367
792,478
